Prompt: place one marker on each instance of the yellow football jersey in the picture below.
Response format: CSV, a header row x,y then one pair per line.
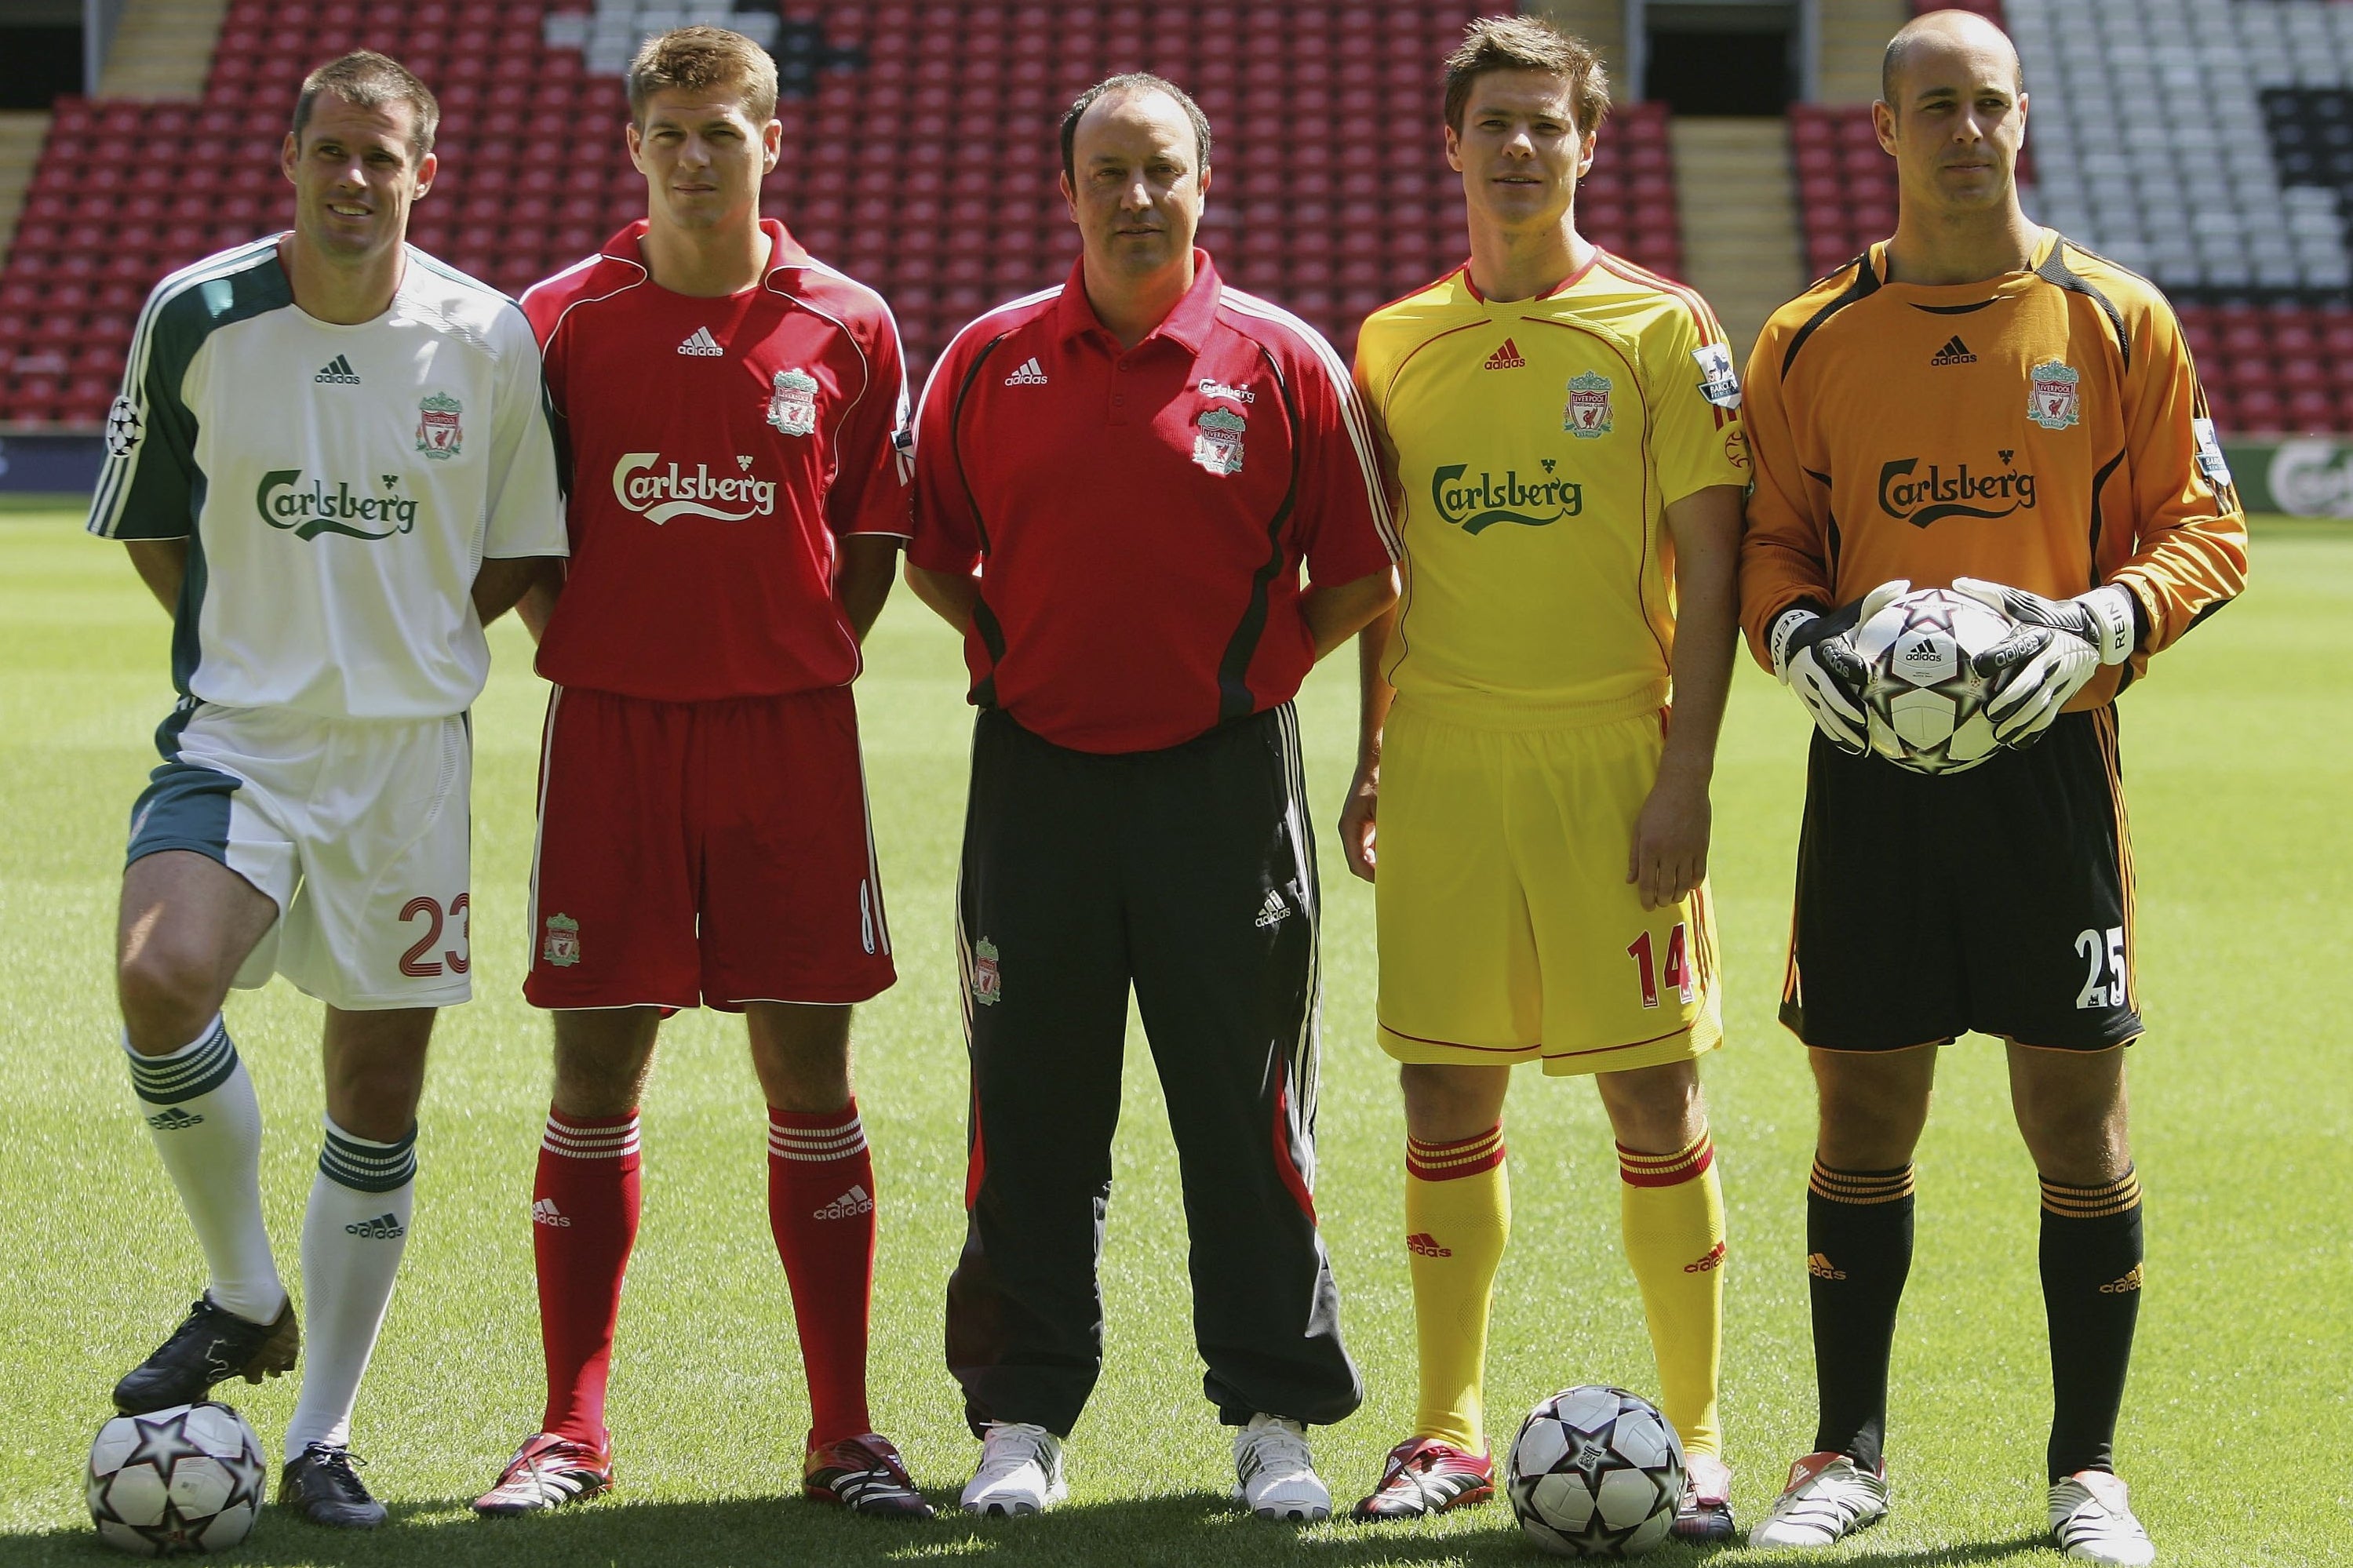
x,y
1535,447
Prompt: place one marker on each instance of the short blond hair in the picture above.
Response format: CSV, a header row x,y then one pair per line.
x,y
365,79
1526,44
699,57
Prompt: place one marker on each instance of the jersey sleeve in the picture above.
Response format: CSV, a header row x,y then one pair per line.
x,y
2190,552
1784,552
1341,509
869,493
945,535
147,485
522,502
1696,412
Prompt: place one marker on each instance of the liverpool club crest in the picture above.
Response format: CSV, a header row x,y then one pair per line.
x,y
1587,417
1217,440
986,985
439,435
792,404
2053,400
562,946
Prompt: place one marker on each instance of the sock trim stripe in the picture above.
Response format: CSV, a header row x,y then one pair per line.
x,y
2069,1202
816,1153
604,1146
1640,1169
1451,1162
1473,1144
368,1167
196,1069
1859,1188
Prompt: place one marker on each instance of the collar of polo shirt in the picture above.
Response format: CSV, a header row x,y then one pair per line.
x,y
1188,322
783,250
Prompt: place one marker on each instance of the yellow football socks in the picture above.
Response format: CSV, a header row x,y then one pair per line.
x,y
1458,1215
1672,1210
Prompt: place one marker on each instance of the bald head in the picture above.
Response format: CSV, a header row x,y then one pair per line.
x,y
1949,40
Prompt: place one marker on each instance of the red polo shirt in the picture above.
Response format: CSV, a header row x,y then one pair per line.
x,y
1139,516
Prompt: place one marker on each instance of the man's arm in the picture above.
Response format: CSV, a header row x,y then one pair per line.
x,y
1374,695
952,595
861,578
1669,855
502,583
1335,614
163,565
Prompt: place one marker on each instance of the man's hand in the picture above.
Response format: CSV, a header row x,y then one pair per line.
x,y
1356,830
1814,656
1670,854
2059,645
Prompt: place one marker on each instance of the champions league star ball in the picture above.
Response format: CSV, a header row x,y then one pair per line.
x,y
189,1478
1596,1472
1925,700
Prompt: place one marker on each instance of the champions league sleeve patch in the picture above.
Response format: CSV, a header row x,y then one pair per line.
x,y
1718,381
2211,461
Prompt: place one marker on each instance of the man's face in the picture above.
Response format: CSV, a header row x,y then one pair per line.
x,y
356,176
1957,124
703,157
1519,152
1139,189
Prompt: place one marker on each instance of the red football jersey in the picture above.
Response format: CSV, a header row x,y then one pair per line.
x,y
715,450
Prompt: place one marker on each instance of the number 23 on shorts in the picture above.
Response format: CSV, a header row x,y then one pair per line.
x,y
420,962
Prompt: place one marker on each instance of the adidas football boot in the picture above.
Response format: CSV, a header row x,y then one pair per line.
x,y
322,1483
2092,1519
1706,1512
1426,1476
211,1345
864,1475
1021,1471
547,1471
1829,1496
1274,1474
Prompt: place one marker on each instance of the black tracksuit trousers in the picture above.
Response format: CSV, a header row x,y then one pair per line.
x,y
1188,873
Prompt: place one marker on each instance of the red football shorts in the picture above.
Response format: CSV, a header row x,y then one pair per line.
x,y
704,853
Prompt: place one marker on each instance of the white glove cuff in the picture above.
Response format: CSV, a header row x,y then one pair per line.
x,y
1776,640
2111,609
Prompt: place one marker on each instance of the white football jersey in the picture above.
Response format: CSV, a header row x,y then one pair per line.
x,y
339,486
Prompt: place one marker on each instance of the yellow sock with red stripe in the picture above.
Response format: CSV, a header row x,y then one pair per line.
x,y
1672,1210
1458,1215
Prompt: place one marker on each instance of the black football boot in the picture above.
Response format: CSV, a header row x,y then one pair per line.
x,y
322,1483
211,1346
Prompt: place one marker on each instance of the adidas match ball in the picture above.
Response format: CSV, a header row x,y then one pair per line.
x,y
1925,700
189,1478
1596,1472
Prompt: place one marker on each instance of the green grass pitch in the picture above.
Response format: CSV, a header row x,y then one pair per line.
x,y
2240,768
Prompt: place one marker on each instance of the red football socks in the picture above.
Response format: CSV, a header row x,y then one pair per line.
x,y
584,1213
821,1208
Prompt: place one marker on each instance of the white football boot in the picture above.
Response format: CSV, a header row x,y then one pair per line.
x,y
1829,1496
2091,1520
1275,1474
1021,1471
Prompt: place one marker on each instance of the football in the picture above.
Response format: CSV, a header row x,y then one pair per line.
x,y
189,1478
1925,700
1596,1472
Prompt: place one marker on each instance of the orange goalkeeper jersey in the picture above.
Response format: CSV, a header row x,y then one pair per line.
x,y
2043,429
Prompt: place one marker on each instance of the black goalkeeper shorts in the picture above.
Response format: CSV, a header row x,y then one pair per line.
x,y
1998,899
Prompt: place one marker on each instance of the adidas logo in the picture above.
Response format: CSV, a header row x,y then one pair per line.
x,y
1506,358
1820,1268
544,1212
2124,1287
338,371
1028,374
849,1205
383,1227
172,1119
1274,912
1954,353
1713,1260
1426,1244
701,345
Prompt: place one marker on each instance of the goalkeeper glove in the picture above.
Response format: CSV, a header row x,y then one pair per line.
x,y
1813,654
2059,645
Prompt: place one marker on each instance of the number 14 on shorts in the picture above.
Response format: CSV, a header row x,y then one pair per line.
x,y
2102,952
1680,974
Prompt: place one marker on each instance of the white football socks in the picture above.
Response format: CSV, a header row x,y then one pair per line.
x,y
198,1105
353,1236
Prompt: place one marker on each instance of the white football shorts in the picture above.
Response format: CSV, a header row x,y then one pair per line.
x,y
357,830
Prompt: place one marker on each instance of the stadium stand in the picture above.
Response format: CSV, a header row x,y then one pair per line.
x,y
919,155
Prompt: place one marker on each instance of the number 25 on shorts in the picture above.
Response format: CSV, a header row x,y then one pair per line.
x,y
2103,979
1679,975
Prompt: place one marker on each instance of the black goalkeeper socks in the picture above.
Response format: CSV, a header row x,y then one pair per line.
x,y
1859,1250
2091,1293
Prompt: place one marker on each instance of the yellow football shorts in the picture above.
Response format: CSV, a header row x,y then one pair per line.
x,y
1508,930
